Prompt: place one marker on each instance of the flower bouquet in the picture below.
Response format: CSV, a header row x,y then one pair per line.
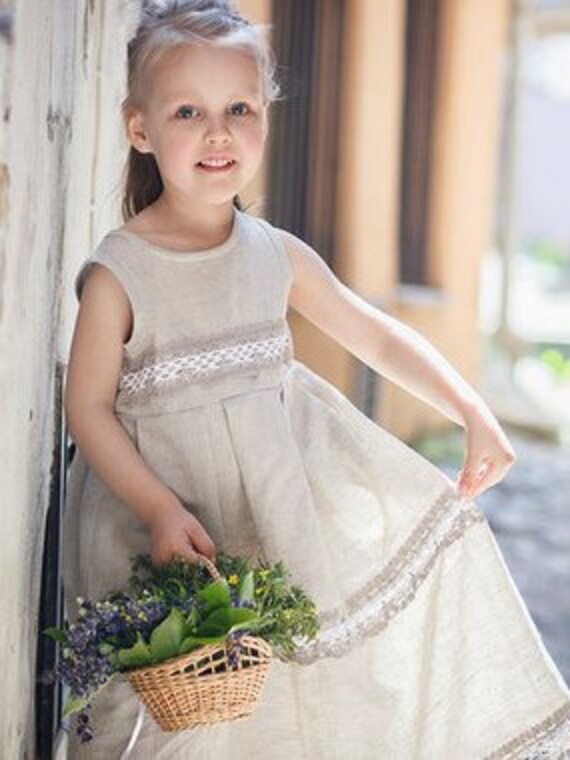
x,y
196,650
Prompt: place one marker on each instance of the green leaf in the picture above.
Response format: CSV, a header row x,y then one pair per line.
x,y
106,648
227,619
166,638
254,624
192,620
137,655
193,642
215,594
246,587
178,587
73,704
56,634
212,630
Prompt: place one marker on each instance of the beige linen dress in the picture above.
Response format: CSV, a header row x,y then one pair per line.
x,y
426,650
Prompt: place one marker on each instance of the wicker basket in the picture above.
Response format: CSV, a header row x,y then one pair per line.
x,y
200,688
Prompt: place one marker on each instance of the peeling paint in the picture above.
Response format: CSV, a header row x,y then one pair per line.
x,y
50,121
6,25
56,118
49,234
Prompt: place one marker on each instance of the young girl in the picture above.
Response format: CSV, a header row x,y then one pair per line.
x,y
197,430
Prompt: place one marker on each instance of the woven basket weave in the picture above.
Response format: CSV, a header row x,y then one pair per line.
x,y
200,688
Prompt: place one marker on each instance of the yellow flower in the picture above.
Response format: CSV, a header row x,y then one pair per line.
x,y
233,579
263,573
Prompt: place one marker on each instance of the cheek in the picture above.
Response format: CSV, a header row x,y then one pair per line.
x,y
174,147
254,138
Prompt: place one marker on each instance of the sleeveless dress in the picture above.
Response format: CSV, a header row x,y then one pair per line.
x,y
426,649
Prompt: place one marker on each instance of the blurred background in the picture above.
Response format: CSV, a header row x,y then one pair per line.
x,y
422,147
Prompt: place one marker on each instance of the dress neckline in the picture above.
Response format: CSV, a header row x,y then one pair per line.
x,y
188,255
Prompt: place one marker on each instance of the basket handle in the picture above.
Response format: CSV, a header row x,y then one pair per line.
x,y
203,560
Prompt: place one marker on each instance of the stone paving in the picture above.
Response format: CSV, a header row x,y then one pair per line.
x,y
529,513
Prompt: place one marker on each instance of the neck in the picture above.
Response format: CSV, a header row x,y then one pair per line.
x,y
193,220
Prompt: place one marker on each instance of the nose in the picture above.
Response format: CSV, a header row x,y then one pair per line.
x,y
217,132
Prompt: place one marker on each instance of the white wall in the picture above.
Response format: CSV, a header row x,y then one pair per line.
x,y
61,149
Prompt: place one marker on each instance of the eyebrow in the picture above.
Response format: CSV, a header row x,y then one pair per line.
x,y
177,98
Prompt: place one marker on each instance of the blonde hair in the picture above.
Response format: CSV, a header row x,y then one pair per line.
x,y
163,26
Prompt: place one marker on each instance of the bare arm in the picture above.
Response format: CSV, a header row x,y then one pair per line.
x,y
387,345
404,356
103,324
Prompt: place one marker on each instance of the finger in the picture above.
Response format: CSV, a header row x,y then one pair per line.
x,y
475,472
486,479
464,481
203,543
187,554
506,463
495,475
482,472
470,484
465,475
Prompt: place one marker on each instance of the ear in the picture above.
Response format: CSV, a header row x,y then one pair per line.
x,y
136,132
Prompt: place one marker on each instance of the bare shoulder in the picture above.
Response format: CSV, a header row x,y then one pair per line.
x,y
320,296
302,255
102,325
105,303
312,277
297,249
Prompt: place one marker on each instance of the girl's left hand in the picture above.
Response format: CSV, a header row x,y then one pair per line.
x,y
488,456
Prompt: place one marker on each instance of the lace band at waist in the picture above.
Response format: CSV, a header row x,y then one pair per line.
x,y
254,346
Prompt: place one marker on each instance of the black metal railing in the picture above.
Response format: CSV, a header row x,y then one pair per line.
x,y
50,612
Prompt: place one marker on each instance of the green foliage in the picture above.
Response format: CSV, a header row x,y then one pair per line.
x,y
73,704
166,638
440,448
226,619
246,587
284,611
216,594
137,655
193,642
170,610
557,362
56,634
549,253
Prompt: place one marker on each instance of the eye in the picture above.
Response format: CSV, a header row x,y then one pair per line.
x,y
240,105
185,108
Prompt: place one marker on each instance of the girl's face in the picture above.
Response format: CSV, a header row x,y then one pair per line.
x,y
203,101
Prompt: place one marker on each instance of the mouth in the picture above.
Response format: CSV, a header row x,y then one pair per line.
x,y
216,167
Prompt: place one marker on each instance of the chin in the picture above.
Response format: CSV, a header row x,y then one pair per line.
x,y
221,198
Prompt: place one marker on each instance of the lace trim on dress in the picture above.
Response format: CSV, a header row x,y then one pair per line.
x,y
546,739
373,606
258,345
370,610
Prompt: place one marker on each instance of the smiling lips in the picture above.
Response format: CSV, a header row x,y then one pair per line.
x,y
217,164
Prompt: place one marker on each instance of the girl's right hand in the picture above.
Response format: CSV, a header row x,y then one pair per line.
x,y
174,531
